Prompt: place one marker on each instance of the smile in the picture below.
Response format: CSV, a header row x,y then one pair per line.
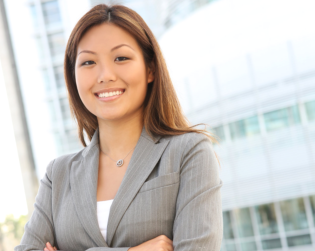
x,y
107,96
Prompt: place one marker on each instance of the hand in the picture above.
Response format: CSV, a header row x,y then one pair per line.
x,y
159,243
49,247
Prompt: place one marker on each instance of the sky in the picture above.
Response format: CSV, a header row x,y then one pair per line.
x,y
12,195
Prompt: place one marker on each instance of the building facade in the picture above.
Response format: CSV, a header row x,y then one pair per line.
x,y
8,76
247,69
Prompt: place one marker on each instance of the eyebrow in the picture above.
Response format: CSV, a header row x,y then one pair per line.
x,y
115,48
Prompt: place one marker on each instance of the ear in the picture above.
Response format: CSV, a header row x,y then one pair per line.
x,y
151,71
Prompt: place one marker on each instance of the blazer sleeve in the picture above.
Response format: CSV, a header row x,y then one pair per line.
x,y
40,228
198,223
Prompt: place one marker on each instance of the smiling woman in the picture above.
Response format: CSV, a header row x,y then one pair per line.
x,y
147,181
114,73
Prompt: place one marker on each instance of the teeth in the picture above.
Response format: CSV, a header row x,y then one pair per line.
x,y
110,94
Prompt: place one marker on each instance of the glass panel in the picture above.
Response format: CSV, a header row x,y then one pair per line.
x,y
56,44
34,16
266,217
51,13
271,244
282,118
40,48
294,115
299,240
227,229
248,246
230,247
310,110
46,80
293,213
219,133
73,140
312,201
243,222
61,85
65,110
244,128
51,107
59,144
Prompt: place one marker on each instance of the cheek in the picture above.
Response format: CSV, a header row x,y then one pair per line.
x,y
135,78
83,83
83,90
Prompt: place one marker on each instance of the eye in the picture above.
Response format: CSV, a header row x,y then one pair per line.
x,y
121,58
84,63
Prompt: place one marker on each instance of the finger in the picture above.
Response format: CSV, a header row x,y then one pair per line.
x,y
49,247
55,248
166,239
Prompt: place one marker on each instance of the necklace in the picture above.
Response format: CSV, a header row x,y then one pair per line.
x,y
120,162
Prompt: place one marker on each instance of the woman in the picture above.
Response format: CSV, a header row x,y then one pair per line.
x,y
147,181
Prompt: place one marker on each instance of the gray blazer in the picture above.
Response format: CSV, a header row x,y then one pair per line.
x,y
171,187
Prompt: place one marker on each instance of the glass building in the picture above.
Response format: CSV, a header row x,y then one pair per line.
x,y
247,69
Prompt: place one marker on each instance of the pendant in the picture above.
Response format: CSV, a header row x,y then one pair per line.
x,y
120,162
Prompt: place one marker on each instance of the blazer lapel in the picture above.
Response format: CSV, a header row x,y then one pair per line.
x,y
84,177
83,182
143,160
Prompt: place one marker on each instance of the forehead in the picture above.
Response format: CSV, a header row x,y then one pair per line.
x,y
106,36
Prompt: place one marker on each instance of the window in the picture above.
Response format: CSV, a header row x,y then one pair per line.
x,y
51,13
244,223
230,247
227,229
248,246
73,140
293,213
245,127
282,118
56,44
60,146
310,110
312,202
299,240
34,16
61,85
65,111
266,217
52,111
271,244
219,133
46,80
40,48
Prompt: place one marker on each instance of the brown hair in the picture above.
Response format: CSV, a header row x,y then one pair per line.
x,y
163,114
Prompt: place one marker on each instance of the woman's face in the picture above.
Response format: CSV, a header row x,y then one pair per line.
x,y
110,73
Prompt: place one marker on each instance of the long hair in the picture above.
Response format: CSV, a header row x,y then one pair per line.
x,y
163,114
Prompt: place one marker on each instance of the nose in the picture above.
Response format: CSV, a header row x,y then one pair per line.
x,y
106,74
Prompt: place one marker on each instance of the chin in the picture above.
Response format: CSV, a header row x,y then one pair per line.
x,y
112,117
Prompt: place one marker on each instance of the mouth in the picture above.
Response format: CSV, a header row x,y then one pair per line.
x,y
109,95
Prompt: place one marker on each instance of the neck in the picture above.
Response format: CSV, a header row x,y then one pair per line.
x,y
117,138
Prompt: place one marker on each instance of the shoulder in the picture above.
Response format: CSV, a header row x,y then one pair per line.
x,y
187,143
61,164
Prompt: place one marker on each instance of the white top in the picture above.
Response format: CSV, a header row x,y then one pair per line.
x,y
102,215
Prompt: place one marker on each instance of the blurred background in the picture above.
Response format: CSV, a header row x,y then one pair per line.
x,y
245,67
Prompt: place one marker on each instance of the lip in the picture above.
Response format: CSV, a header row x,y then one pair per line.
x,y
108,98
109,90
